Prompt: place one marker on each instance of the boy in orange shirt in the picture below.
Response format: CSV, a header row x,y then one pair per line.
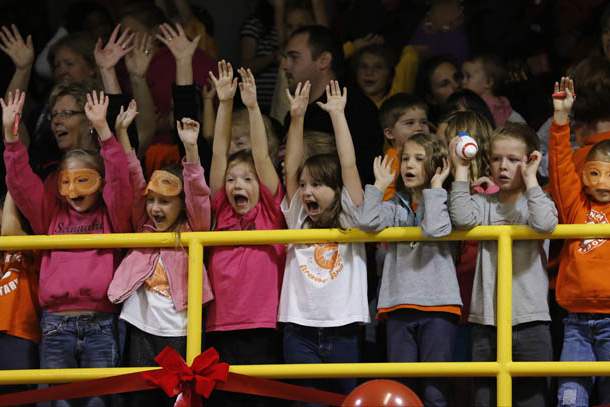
x,y
583,287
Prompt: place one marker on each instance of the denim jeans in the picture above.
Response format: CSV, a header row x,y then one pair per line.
x,y
586,338
79,341
304,344
531,343
419,336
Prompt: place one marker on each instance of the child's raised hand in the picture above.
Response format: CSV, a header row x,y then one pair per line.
x,y
21,52
529,169
300,100
11,112
108,56
335,101
564,95
441,174
384,176
125,117
225,84
177,41
138,60
188,131
96,108
247,88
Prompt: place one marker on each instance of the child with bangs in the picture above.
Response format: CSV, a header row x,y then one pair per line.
x,y
514,161
419,294
246,195
582,283
78,321
324,293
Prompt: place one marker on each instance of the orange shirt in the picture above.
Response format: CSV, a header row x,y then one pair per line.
x,y
583,282
451,309
19,295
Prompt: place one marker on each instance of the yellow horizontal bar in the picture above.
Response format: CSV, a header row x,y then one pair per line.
x,y
331,370
258,237
559,368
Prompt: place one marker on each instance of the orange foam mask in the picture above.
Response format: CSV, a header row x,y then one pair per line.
x,y
596,175
164,183
81,182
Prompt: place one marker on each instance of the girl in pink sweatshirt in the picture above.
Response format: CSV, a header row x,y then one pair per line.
x,y
95,195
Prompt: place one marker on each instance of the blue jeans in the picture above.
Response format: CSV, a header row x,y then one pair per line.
x,y
303,344
419,336
586,338
79,341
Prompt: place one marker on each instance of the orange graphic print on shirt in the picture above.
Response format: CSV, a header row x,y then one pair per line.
x,y
324,264
587,245
158,281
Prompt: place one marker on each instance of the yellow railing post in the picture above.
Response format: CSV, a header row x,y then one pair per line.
x,y
194,310
504,343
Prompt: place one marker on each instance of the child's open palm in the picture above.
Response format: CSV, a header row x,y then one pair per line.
x,y
96,108
441,174
126,116
300,100
177,41
384,176
11,108
247,88
225,84
335,101
188,130
564,95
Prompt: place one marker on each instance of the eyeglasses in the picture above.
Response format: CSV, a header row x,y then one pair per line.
x,y
64,114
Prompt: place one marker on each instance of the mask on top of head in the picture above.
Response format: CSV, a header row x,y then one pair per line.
x,y
79,182
596,175
164,183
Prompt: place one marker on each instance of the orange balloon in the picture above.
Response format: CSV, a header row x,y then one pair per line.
x,y
387,393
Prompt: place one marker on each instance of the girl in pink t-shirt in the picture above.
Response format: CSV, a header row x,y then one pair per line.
x,y
246,195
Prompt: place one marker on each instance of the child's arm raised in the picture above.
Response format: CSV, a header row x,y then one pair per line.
x,y
294,144
464,210
265,170
138,183
196,192
375,214
118,191
25,187
335,106
436,221
566,184
225,86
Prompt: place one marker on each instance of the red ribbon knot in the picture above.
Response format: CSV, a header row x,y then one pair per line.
x,y
177,378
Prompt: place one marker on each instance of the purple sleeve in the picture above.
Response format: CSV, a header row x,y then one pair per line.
x,y
196,197
28,191
118,192
138,184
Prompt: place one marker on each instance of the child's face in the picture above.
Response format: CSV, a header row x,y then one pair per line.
x,y
241,187
163,210
412,165
507,156
474,78
79,202
373,75
596,180
444,81
414,120
316,197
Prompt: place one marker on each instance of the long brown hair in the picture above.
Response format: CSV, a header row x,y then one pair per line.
x,y
325,169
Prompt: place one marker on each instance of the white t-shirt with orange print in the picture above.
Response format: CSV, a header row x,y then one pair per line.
x,y
324,284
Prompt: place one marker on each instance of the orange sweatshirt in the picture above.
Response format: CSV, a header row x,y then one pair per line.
x,y
583,283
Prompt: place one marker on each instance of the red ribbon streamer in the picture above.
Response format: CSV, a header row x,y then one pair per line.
x,y
177,378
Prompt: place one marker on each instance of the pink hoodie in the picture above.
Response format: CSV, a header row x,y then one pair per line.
x,y
73,280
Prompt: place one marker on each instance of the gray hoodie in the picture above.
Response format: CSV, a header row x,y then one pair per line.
x,y
530,281
419,273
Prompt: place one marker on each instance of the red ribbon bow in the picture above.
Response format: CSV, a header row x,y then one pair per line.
x,y
177,378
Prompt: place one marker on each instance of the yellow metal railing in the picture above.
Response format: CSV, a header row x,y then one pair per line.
x,y
503,369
